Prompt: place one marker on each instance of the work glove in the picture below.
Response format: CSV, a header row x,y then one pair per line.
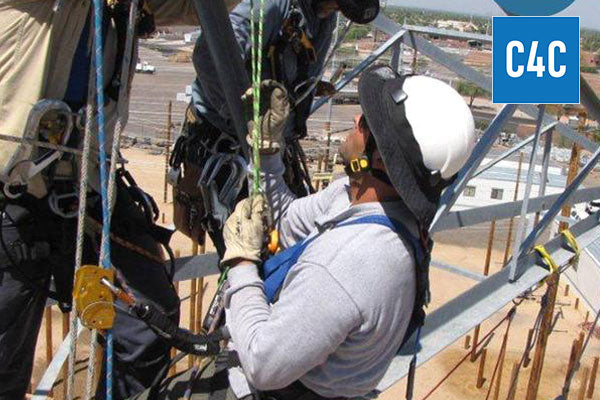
x,y
245,232
274,113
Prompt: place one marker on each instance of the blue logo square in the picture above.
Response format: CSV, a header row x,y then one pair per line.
x,y
536,60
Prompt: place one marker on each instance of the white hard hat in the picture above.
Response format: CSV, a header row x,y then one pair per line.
x,y
441,123
423,130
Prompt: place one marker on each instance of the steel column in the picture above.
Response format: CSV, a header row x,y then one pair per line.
x,y
530,172
544,173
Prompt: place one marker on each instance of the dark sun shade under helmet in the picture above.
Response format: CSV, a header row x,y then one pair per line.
x,y
382,101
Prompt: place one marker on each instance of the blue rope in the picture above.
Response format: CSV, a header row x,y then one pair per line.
x,y
105,262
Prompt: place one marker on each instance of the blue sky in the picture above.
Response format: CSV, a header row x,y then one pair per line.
x,y
588,10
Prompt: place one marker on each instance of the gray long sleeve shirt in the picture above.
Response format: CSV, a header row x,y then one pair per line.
x,y
343,308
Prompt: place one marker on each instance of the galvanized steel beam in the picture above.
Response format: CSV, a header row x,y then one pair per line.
x,y
457,270
474,216
528,184
42,391
458,316
554,210
364,64
449,33
513,150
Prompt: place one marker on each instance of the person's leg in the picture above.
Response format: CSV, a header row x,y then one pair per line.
x,y
140,356
23,292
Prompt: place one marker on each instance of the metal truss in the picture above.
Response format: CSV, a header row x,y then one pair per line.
x,y
460,315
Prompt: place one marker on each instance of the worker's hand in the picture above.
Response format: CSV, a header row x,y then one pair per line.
x,y
274,112
245,231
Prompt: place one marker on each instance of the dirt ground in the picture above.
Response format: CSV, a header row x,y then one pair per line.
x,y
464,248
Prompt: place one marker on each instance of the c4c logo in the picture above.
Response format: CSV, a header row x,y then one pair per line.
x,y
533,7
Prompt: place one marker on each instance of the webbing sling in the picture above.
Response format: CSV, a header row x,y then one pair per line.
x,y
276,268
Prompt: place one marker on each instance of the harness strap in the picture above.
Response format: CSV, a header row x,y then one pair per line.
x,y
277,267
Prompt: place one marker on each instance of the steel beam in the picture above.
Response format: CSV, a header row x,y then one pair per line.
x,y
457,270
513,150
457,317
555,209
528,184
482,147
454,64
364,64
224,53
193,267
42,391
449,33
474,216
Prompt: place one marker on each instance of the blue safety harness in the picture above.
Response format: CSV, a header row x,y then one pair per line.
x,y
276,268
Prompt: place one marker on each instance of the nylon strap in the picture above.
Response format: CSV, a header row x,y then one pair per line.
x,y
570,238
541,250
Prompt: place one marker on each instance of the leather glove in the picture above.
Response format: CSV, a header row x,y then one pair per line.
x,y
274,113
245,231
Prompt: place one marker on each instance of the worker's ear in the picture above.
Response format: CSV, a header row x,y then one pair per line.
x,y
376,160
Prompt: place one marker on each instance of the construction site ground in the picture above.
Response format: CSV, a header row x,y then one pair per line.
x,y
465,247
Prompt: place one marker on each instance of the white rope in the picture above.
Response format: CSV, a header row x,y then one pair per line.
x,y
83,184
114,159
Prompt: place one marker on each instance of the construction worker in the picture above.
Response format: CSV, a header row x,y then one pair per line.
x,y
324,317
46,48
297,36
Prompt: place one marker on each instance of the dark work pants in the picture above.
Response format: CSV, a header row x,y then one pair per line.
x,y
140,356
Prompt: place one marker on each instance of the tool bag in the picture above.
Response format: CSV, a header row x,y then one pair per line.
x,y
208,177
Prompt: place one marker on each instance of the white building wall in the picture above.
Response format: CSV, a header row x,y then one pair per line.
x,y
507,170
